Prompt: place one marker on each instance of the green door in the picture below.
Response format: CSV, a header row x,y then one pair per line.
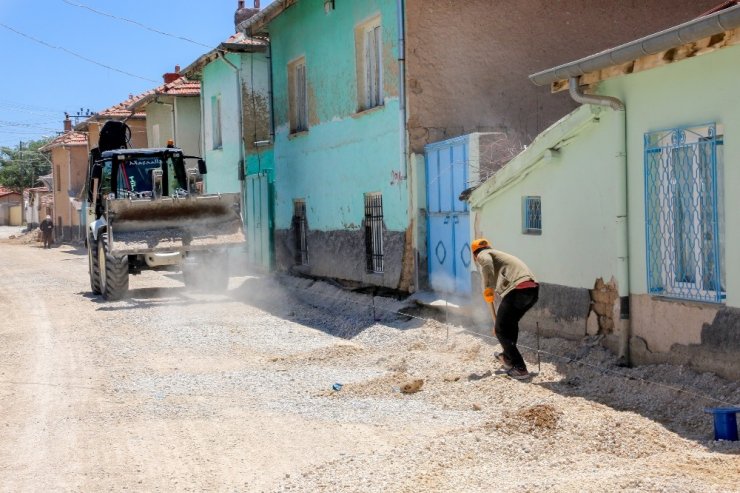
x,y
259,221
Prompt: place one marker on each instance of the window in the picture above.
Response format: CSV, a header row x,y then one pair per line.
x,y
58,178
216,122
300,232
532,215
374,232
369,44
684,208
298,96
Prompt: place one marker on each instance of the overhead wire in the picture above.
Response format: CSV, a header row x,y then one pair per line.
x,y
73,53
136,23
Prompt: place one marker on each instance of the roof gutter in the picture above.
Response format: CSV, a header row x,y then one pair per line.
x,y
687,32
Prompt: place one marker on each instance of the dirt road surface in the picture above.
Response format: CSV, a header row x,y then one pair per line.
x,y
178,391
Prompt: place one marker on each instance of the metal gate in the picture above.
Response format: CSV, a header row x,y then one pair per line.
x,y
259,229
448,223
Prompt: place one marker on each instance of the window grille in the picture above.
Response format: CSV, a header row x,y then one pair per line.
x,y
374,232
684,209
300,232
532,215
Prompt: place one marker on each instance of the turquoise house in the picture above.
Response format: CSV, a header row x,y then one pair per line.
x,y
341,195
236,135
625,207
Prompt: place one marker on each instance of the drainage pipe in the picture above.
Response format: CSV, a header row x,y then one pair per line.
x,y
402,87
241,171
623,240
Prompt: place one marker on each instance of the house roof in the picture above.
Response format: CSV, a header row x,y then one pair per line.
x,y
120,111
38,189
6,191
181,87
716,22
236,43
71,138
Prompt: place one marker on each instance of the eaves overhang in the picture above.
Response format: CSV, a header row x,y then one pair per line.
x,y
688,32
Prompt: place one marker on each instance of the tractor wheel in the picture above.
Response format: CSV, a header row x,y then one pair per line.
x,y
113,271
93,266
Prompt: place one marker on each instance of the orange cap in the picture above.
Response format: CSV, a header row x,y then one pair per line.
x,y
478,245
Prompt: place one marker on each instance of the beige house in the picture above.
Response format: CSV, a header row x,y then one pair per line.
x,y
69,158
173,113
135,119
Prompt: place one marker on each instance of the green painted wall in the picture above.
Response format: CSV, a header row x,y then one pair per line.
x,y
223,164
691,92
344,153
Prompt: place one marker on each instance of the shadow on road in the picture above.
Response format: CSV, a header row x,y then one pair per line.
x,y
319,306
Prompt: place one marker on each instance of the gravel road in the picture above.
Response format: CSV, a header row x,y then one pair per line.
x,y
173,390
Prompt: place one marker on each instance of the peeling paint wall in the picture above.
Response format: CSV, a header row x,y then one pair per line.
x,y
346,152
468,61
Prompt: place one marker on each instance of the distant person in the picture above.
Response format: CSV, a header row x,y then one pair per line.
x,y
47,228
511,279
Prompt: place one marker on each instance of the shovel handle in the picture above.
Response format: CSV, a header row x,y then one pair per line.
x,y
493,315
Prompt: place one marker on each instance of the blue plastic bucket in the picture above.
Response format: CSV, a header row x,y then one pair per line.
x,y
725,422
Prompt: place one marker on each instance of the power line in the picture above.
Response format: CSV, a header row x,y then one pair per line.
x,y
61,48
136,23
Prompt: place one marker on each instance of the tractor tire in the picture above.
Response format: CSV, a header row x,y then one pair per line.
x,y
93,266
113,272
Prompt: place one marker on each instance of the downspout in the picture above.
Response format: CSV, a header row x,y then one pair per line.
x,y
623,243
242,171
270,92
403,138
402,86
202,120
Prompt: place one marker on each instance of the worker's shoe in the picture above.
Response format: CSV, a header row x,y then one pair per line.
x,y
501,357
518,374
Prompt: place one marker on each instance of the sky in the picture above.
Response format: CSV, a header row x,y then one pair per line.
x,y
40,83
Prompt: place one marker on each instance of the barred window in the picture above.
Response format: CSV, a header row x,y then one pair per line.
x,y
300,232
532,215
374,232
684,208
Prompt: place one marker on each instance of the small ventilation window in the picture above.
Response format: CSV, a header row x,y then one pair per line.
x,y
532,215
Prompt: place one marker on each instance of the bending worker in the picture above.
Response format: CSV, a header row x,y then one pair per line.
x,y
511,279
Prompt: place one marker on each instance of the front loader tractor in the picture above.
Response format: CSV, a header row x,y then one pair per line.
x,y
146,210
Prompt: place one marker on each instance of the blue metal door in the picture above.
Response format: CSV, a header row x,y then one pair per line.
x,y
448,224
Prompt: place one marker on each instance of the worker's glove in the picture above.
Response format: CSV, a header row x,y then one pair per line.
x,y
488,295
